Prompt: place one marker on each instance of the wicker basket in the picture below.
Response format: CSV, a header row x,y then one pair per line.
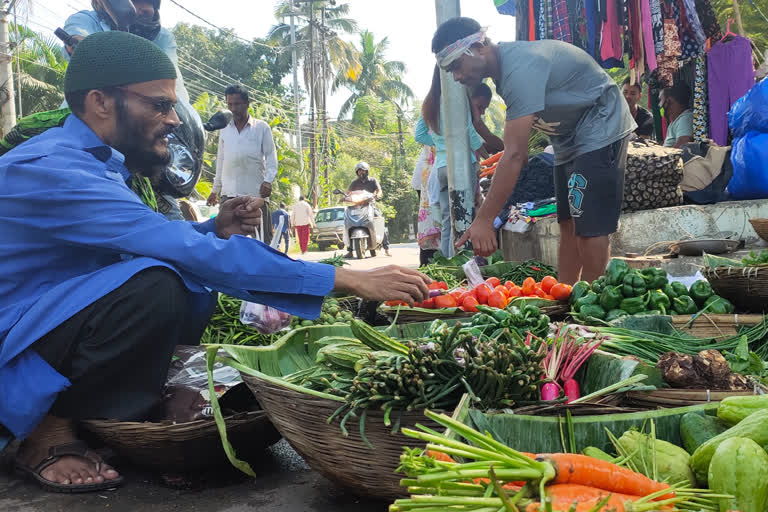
x,y
301,418
667,398
761,227
746,287
714,326
185,447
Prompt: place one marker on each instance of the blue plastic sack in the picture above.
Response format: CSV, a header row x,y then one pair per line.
x,y
750,112
749,157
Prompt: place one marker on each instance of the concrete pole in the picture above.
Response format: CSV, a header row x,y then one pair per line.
x,y
295,65
8,96
455,110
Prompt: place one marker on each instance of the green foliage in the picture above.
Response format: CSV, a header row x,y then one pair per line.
x,y
753,21
42,66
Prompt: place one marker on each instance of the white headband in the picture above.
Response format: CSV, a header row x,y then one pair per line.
x,y
453,51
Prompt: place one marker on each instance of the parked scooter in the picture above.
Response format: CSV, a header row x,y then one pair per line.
x,y
363,229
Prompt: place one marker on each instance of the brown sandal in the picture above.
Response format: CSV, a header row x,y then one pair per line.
x,y
55,453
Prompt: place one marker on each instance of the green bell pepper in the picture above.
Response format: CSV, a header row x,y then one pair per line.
x,y
499,315
700,291
669,291
579,290
684,305
633,305
658,301
655,278
614,314
593,310
633,285
616,271
718,305
598,285
590,299
679,289
610,298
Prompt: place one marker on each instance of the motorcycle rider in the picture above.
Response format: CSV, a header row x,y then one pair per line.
x,y
366,183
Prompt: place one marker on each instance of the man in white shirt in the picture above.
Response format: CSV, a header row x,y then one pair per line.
x,y
246,163
303,219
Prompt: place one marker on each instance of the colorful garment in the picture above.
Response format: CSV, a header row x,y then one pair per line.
x,y
700,101
657,24
730,74
667,62
561,28
429,226
689,47
708,20
695,23
647,29
611,44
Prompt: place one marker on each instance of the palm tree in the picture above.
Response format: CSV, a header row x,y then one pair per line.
x,y
378,76
42,66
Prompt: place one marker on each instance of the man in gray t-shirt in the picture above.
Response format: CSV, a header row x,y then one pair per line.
x,y
560,90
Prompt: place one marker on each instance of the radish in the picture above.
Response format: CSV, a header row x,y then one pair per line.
x,y
550,391
571,388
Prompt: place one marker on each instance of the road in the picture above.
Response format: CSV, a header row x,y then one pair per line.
x,y
284,484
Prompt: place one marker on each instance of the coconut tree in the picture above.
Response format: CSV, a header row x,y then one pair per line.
x,y
42,65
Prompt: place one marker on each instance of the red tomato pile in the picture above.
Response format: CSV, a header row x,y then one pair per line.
x,y
491,293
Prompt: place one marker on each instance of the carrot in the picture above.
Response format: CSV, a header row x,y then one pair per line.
x,y
580,469
492,160
440,456
585,498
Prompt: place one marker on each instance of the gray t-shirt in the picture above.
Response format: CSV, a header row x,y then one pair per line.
x,y
560,83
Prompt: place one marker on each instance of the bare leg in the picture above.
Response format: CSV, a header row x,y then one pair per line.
x,y
68,470
595,253
569,258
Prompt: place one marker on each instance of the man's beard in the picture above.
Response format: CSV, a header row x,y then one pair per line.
x,y
131,141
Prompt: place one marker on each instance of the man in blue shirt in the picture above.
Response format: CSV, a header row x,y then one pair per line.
x,y
276,215
98,288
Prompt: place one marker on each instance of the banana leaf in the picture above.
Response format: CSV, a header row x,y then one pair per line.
x,y
710,260
603,369
543,434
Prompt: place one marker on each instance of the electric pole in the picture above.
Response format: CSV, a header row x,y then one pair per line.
x,y
312,102
324,84
296,89
7,95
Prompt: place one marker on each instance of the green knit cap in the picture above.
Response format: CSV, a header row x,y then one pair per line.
x,y
111,59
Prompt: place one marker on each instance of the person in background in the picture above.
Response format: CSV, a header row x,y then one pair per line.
x,y
675,101
428,225
643,118
479,101
369,184
246,162
429,131
558,89
286,229
302,220
93,303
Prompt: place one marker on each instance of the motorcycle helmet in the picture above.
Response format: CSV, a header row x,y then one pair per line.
x,y
362,166
148,29
118,14
186,145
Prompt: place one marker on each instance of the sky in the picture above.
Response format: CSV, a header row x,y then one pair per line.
x,y
408,25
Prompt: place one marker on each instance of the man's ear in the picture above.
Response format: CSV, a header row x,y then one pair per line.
x,y
100,104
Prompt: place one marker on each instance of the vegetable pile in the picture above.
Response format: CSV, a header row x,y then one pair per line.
x,y
623,291
225,326
331,313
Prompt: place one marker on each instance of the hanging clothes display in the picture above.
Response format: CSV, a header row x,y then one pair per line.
x,y
647,29
561,26
611,43
657,24
700,101
730,74
708,20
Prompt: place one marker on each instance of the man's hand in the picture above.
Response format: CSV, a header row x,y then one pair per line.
x,y
483,238
265,190
213,199
239,216
384,283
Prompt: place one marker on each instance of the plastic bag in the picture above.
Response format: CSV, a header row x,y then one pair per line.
x,y
263,318
750,112
749,157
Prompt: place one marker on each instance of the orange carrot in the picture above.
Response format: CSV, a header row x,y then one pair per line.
x,y
492,160
440,456
585,498
580,469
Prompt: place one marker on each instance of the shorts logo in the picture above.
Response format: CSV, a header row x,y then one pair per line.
x,y
576,186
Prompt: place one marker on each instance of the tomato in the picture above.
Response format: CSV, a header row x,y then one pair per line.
x,y
538,292
470,304
493,281
483,292
529,285
561,291
503,290
549,297
445,301
463,296
547,283
437,285
515,291
395,303
456,294
509,284
428,304
497,300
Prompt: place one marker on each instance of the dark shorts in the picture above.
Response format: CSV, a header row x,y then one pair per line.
x,y
590,190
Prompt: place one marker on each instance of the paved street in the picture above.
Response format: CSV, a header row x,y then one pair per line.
x,y
285,482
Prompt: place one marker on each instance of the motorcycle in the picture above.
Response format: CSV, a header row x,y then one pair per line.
x,y
363,225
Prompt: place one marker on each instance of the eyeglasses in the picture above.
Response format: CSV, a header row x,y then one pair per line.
x,y
160,105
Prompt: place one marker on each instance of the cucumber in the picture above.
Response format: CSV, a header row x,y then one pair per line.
x,y
739,468
735,408
697,428
754,427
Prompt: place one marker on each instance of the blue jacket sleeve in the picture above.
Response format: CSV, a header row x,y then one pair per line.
x,y
421,133
109,217
475,140
83,23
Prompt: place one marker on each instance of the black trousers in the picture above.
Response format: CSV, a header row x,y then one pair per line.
x,y
116,352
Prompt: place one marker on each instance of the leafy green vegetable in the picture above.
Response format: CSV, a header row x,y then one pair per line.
x,y
756,259
744,361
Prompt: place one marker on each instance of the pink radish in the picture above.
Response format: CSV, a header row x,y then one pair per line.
x,y
550,391
572,392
